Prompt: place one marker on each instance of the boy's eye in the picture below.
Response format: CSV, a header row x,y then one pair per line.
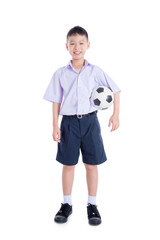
x,y
73,43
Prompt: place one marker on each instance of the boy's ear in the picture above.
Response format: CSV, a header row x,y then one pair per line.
x,y
66,46
88,45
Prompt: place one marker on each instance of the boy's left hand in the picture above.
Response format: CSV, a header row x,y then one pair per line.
x,y
114,120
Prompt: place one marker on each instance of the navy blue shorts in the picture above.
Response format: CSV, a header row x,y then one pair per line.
x,y
84,134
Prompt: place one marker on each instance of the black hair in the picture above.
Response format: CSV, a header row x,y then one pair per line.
x,y
75,30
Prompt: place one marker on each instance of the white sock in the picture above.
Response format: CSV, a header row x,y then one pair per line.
x,y
92,200
67,199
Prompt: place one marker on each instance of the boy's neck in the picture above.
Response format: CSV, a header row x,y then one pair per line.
x,y
78,63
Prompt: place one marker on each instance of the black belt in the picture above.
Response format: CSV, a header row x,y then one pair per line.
x,y
82,115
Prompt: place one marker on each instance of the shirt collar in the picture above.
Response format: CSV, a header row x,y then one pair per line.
x,y
70,63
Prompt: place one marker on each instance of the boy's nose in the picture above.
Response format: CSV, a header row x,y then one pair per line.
x,y
76,47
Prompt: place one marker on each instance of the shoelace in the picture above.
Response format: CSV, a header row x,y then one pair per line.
x,y
93,211
64,209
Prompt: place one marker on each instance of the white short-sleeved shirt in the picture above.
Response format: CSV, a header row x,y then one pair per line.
x,y
73,89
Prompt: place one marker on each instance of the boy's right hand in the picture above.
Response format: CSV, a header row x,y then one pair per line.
x,y
56,134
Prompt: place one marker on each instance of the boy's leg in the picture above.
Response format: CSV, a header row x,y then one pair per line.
x,y
92,179
67,182
92,182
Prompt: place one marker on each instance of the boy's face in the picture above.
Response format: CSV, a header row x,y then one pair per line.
x,y
77,46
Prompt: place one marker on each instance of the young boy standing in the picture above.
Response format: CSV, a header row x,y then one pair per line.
x,y
69,90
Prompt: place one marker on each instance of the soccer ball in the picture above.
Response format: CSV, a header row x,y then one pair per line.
x,y
102,97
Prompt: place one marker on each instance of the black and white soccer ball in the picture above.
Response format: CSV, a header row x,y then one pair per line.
x,y
102,97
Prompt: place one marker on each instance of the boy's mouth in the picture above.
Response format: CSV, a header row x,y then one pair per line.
x,y
77,53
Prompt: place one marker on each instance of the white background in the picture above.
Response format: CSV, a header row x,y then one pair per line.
x,y
125,39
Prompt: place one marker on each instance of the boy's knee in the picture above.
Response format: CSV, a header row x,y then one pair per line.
x,y
90,167
68,168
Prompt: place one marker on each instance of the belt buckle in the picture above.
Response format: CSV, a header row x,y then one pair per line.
x,y
79,116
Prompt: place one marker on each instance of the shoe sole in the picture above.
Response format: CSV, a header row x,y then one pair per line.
x,y
61,219
94,221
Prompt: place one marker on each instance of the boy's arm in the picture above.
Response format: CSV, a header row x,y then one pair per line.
x,y
116,104
114,120
56,130
55,109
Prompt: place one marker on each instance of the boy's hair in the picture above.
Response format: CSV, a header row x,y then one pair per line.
x,y
75,30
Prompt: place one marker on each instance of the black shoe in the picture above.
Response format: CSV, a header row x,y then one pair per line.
x,y
94,217
63,213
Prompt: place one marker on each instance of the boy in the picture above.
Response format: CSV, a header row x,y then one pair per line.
x,y
69,90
